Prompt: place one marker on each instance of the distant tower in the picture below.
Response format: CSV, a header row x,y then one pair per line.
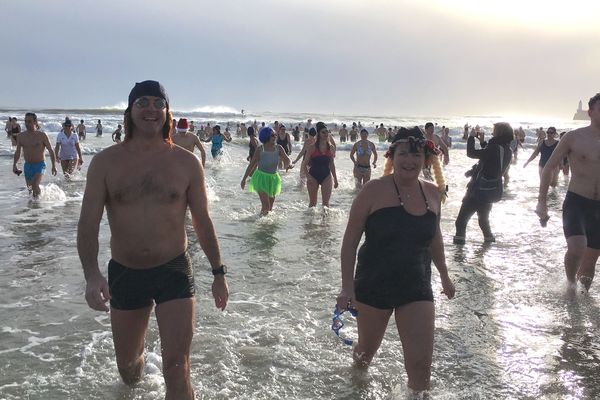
x,y
581,114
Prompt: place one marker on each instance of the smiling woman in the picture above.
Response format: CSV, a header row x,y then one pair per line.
x,y
575,15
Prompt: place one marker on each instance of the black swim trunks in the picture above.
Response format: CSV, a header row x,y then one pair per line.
x,y
132,289
581,216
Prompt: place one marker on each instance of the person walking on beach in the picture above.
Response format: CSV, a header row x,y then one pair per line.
x,y
320,158
400,216
67,150
116,136
446,138
581,208
429,135
81,131
262,170
34,143
363,149
308,142
252,144
494,158
343,134
7,127
284,140
15,129
545,148
217,138
99,129
381,133
188,140
147,209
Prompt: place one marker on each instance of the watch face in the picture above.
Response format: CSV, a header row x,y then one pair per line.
x,y
222,270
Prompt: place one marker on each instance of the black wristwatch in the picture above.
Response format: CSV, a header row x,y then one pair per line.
x,y
222,270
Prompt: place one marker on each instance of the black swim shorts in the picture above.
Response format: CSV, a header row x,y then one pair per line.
x,y
581,216
132,289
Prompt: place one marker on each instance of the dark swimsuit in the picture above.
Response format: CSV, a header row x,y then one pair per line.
x,y
581,216
546,152
394,262
285,144
132,289
319,165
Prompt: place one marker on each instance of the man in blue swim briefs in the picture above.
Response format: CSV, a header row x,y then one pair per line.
x,y
150,266
581,208
33,143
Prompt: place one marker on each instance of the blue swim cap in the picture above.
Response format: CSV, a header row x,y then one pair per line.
x,y
265,134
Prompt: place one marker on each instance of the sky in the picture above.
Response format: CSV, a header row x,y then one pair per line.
x,y
360,57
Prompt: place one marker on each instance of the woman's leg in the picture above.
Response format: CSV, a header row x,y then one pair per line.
x,y
265,203
415,323
326,188
372,323
313,187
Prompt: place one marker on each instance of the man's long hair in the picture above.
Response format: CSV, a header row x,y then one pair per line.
x,y
129,126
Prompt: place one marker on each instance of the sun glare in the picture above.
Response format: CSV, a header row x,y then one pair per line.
x,y
548,15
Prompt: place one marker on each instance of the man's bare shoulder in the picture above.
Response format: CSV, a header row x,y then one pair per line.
x,y
183,155
579,132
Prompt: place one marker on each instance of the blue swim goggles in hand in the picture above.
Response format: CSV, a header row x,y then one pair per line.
x,y
337,323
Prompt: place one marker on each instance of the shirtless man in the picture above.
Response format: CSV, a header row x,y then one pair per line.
x,y
243,130
33,142
429,128
188,140
81,131
147,209
99,129
343,132
381,133
581,208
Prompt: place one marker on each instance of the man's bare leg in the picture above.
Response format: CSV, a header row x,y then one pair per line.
x,y
576,246
587,269
176,325
129,330
35,185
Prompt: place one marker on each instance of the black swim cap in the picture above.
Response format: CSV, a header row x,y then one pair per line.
x,y
321,126
147,88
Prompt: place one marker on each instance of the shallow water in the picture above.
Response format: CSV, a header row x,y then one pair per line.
x,y
511,331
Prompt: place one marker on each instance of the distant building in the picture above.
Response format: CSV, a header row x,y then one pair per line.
x,y
581,114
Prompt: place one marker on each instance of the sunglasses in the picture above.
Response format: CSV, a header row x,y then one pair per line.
x,y
144,102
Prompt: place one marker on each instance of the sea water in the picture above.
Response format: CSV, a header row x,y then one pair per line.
x,y
510,332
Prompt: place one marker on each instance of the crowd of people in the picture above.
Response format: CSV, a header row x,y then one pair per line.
x,y
398,213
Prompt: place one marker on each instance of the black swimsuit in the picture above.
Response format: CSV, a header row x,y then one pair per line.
x,y
319,165
394,262
285,144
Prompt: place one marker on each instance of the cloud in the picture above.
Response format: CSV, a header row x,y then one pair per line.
x,y
376,57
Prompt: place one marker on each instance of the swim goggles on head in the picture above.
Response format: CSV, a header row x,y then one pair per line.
x,y
337,323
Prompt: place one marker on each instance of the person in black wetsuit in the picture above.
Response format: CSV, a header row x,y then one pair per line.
x,y
320,160
285,141
491,168
545,148
400,216
253,144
